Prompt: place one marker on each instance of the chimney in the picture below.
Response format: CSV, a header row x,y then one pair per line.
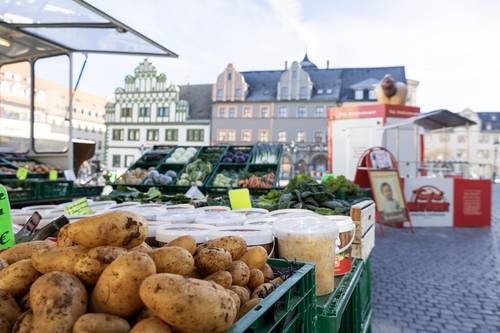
x,y
286,65
327,64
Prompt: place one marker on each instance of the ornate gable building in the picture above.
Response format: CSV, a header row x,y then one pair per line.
x,y
289,106
149,110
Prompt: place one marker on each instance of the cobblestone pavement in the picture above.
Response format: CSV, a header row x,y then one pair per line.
x,y
438,279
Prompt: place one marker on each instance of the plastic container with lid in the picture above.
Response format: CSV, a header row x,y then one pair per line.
x,y
347,231
280,212
221,218
180,206
309,238
153,226
214,209
180,215
98,206
253,235
261,221
38,208
150,212
252,212
129,205
168,233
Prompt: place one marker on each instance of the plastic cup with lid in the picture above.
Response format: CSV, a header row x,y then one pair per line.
x,y
221,218
252,212
168,233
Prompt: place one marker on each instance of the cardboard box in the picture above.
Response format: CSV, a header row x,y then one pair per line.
x,y
363,216
365,247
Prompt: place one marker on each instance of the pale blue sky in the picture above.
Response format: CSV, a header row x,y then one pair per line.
x,y
451,47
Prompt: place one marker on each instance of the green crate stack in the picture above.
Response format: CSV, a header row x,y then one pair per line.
x,y
348,308
288,309
53,189
21,190
86,191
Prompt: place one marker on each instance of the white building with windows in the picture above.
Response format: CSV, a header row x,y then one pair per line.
x,y
149,110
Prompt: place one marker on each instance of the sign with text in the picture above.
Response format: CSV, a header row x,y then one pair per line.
x,y
388,195
6,231
22,173
77,208
472,203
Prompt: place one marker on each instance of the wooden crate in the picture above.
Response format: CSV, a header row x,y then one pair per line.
x,y
364,248
363,216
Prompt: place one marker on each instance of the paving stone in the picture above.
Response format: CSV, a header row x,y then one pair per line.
x,y
438,279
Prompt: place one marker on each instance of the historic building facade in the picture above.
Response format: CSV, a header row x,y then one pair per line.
x,y
149,110
472,150
289,106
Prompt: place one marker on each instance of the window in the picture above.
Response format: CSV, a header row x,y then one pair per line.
x,y
116,161
318,137
263,135
144,112
153,135
117,134
129,159
303,92
231,135
284,92
162,111
219,93
195,135
484,138
483,153
237,92
461,138
329,91
294,75
246,135
371,94
301,136
282,112
222,113
99,145
232,113
320,91
229,76
460,153
171,134
133,135
358,94
281,136
264,112
222,135
301,112
319,112
126,112
247,112
488,126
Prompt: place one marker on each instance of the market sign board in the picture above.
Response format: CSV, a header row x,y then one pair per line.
x,y
430,201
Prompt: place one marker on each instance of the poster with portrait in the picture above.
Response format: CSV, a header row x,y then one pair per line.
x,y
389,197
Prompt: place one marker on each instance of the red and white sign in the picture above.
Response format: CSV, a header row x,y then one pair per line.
x,y
473,203
372,111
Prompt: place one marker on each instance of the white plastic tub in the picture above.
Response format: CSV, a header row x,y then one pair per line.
x,y
168,233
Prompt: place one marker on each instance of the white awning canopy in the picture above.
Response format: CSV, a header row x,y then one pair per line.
x,y
434,120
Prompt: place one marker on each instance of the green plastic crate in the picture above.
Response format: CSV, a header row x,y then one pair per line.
x,y
365,288
53,189
336,309
86,191
289,308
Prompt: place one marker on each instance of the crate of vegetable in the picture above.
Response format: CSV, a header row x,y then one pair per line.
x,y
7,171
196,173
226,177
238,155
19,191
152,158
212,154
267,154
182,155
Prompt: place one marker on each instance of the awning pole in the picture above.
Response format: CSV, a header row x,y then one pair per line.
x,y
70,115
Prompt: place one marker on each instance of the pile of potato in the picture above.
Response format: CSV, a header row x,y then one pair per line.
x,y
101,277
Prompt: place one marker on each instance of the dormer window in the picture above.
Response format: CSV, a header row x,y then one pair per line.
x,y
284,92
371,94
494,117
229,76
328,91
358,94
303,92
219,93
320,91
237,92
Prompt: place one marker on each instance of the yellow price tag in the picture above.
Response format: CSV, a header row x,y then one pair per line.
x,y
22,173
240,198
78,207
53,175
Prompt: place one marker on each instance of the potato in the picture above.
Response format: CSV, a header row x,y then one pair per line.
x,y
9,309
24,250
173,259
239,272
117,289
268,272
57,300
189,305
235,298
5,325
143,247
186,242
263,290
211,260
18,277
23,323
100,323
222,278
90,266
62,259
151,325
242,293
256,278
234,244
117,228
255,257
245,308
